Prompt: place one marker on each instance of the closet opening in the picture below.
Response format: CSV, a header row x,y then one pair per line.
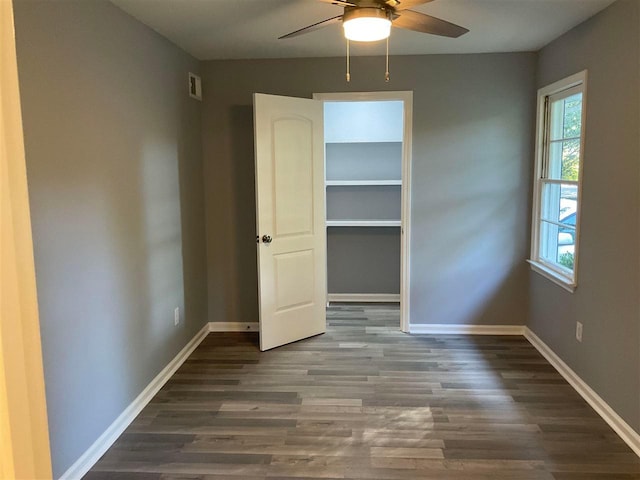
x,y
367,140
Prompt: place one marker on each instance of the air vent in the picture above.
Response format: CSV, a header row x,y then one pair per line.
x,y
195,86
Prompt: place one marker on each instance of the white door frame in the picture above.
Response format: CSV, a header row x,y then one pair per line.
x,y
405,243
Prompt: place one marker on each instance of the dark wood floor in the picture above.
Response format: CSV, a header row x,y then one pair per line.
x,y
366,401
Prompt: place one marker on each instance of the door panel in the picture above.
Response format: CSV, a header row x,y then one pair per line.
x,y
293,170
290,209
294,290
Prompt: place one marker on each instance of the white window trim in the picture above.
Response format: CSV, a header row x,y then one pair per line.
x,y
556,274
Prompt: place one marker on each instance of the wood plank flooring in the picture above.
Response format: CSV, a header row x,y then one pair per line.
x,y
365,401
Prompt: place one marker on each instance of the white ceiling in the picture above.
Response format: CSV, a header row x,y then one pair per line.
x,y
226,29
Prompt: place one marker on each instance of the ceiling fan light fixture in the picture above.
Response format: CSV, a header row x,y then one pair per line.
x,y
366,24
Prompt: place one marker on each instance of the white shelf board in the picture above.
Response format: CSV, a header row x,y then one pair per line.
x,y
364,223
362,140
349,183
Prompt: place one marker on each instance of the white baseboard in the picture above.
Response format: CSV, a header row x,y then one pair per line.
x,y
89,458
364,297
443,329
622,428
234,326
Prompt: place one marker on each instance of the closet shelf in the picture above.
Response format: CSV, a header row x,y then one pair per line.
x,y
349,183
364,223
362,140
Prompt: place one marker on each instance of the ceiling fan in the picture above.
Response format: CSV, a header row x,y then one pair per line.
x,y
371,20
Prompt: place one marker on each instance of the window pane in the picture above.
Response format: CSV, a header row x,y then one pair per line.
x,y
566,117
557,244
572,116
564,160
559,203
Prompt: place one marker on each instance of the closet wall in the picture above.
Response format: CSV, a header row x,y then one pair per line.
x,y
364,187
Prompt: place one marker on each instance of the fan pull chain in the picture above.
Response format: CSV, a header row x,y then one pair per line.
x,y
387,77
348,74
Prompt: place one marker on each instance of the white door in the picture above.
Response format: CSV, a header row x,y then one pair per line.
x,y
291,234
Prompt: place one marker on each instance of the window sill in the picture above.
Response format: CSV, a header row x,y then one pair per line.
x,y
552,275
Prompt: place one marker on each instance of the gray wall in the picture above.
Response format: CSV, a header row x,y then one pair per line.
x,y
363,161
363,260
113,145
364,202
472,152
607,298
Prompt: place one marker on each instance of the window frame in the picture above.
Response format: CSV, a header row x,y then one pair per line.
x,y
563,277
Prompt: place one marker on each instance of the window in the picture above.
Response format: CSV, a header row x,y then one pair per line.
x,y
556,201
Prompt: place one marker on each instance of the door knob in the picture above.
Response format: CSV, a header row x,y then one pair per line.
x,y
266,239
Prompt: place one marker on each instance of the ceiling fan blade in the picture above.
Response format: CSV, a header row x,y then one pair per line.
x,y
315,26
399,5
427,24
340,3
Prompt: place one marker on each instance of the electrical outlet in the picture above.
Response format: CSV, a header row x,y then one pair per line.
x,y
579,331
176,316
